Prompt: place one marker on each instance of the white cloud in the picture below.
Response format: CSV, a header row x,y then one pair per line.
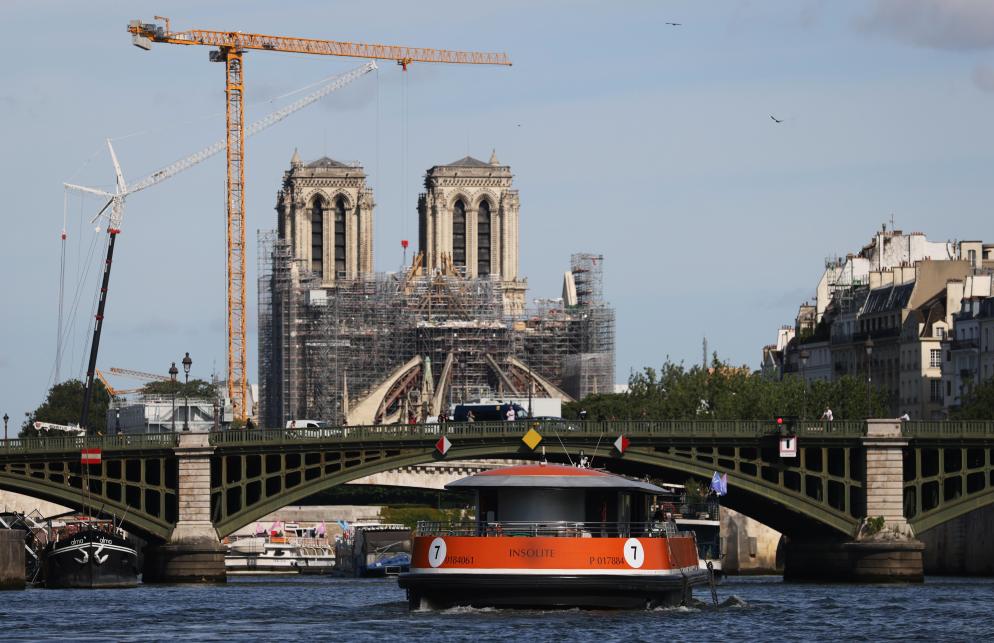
x,y
961,25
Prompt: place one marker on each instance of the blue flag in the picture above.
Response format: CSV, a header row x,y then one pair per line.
x,y
716,483
719,483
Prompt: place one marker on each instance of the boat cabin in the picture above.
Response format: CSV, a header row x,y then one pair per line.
x,y
558,500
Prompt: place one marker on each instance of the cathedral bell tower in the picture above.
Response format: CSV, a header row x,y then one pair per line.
x,y
325,213
468,224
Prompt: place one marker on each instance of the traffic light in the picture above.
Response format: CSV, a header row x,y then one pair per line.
x,y
786,425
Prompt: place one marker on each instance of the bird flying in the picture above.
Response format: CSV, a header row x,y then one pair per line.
x,y
775,119
675,24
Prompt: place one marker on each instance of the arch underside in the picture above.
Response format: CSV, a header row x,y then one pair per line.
x,y
138,490
943,483
248,486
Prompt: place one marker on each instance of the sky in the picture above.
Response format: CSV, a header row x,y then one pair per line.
x,y
649,143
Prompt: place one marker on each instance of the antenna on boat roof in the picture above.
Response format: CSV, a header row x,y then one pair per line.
x,y
565,452
590,465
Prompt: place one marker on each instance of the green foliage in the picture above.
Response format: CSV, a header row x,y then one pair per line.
x,y
696,492
64,405
978,404
873,525
724,392
411,515
196,388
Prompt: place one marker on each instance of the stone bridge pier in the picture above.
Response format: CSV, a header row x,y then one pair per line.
x,y
884,548
193,553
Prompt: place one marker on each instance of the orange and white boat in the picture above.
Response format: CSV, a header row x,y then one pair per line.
x,y
553,536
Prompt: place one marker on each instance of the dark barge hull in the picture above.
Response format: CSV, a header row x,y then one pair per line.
x,y
91,559
441,591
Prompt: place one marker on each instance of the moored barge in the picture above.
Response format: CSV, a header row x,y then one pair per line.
x,y
553,536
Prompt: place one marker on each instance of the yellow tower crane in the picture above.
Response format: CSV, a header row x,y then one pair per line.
x,y
231,45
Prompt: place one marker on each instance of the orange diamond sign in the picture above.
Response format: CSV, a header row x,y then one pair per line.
x,y
532,438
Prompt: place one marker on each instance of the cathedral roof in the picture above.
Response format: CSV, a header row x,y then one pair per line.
x,y
324,161
468,161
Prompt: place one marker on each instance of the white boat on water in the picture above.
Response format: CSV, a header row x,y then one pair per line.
x,y
284,549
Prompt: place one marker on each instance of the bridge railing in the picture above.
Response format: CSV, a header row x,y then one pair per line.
x,y
554,528
547,428
63,443
947,429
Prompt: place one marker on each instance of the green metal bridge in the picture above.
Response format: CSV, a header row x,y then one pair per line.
x,y
946,469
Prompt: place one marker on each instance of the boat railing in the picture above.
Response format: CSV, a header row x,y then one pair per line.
x,y
555,528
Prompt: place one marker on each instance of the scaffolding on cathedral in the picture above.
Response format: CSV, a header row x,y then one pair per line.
x,y
319,343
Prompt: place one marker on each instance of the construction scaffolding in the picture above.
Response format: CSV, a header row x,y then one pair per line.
x,y
324,346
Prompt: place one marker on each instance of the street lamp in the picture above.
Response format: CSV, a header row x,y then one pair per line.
x,y
804,355
5,419
173,372
187,363
869,352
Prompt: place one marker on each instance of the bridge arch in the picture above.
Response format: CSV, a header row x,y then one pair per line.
x,y
790,512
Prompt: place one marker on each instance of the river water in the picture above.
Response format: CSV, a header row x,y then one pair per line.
x,y
324,608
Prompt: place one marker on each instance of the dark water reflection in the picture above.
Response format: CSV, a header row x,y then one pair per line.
x,y
316,608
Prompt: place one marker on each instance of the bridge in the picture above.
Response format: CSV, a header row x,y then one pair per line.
x,y
182,492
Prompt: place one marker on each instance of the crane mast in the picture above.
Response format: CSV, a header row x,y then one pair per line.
x,y
231,46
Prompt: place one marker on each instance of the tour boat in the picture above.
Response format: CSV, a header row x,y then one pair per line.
x,y
290,549
89,553
553,536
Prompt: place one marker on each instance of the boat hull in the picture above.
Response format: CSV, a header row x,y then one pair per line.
x,y
551,572
546,591
91,559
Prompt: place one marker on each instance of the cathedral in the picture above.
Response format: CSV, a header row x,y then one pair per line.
x,y
343,343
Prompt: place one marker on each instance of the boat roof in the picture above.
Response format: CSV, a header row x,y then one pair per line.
x,y
551,476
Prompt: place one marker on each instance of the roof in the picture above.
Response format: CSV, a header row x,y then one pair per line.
x,y
468,161
324,161
551,476
888,298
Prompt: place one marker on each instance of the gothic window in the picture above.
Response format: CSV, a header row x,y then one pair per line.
x,y
459,234
317,236
339,236
483,240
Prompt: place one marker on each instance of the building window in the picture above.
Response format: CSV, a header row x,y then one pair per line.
x,y
317,236
483,240
459,234
339,236
940,332
935,358
936,390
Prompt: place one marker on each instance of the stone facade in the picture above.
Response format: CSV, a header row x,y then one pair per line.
x,y
468,220
325,210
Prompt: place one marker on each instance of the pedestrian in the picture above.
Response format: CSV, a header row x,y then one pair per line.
x,y
827,415
905,417
470,417
583,414
511,416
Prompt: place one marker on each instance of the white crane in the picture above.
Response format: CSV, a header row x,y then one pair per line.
x,y
116,201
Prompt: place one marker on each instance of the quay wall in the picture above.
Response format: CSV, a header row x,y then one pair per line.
x,y
748,547
11,559
963,546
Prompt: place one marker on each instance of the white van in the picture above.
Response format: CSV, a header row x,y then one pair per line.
x,y
306,424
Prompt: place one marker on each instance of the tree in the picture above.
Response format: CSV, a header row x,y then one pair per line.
x,y
978,404
64,405
195,388
725,392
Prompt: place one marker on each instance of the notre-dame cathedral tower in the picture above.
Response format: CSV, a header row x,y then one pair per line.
x,y
468,222
325,212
